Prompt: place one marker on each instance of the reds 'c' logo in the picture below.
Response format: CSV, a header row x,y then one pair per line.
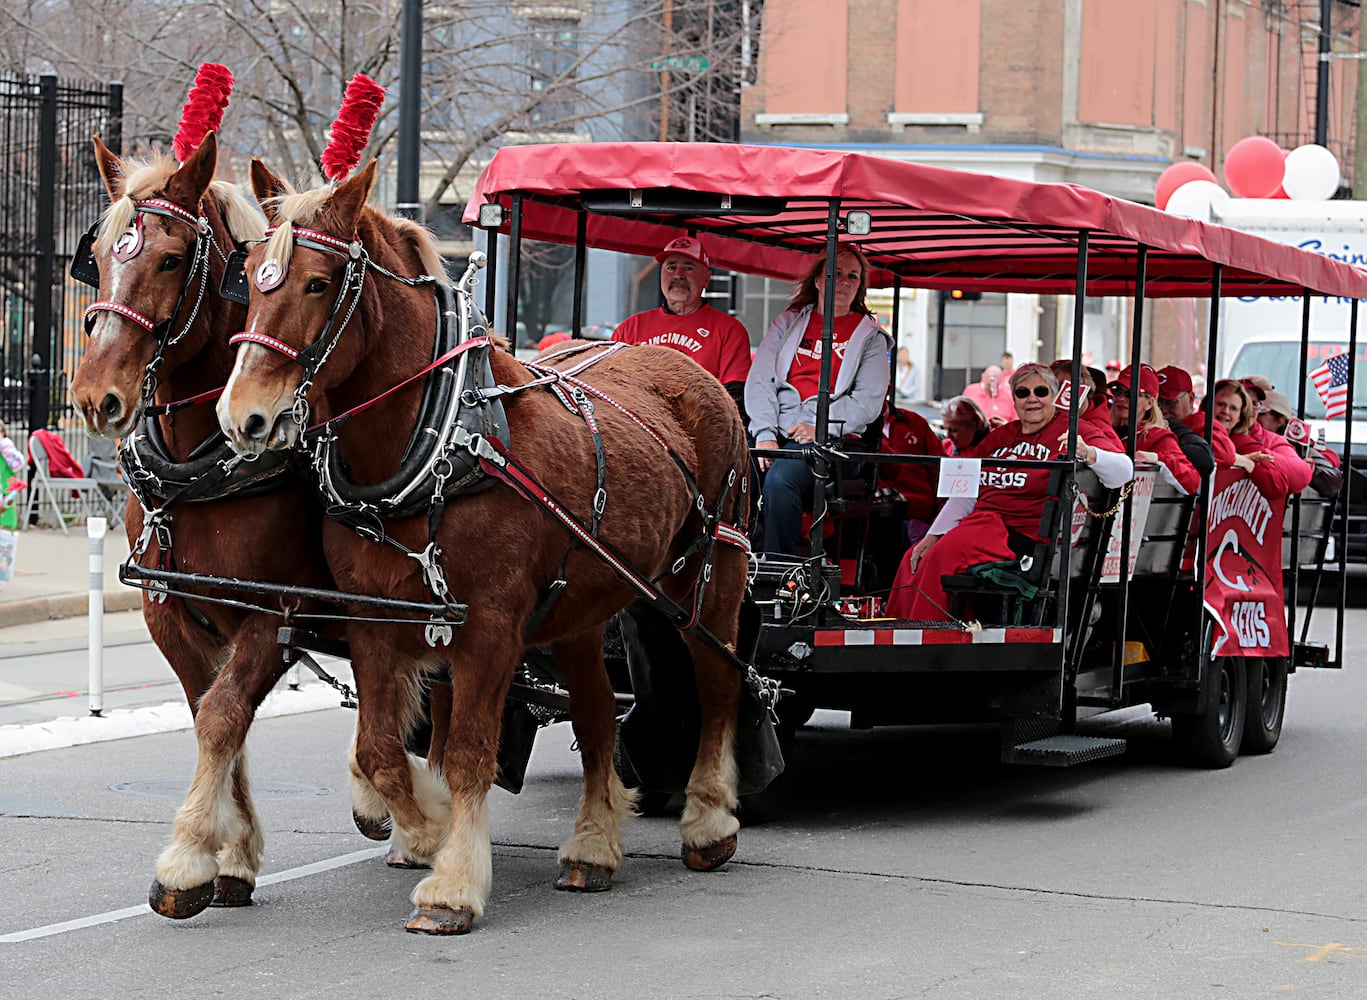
x,y
129,243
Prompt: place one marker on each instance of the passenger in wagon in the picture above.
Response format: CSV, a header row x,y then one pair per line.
x,y
965,426
1177,400
1154,442
1095,415
781,392
710,337
1287,459
975,530
1236,411
1278,416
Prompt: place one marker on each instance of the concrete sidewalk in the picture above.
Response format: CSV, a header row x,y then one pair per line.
x,y
52,577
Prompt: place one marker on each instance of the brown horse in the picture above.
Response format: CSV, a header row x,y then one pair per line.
x,y
164,226
499,553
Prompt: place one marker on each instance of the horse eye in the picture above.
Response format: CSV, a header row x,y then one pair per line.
x,y
170,262
316,286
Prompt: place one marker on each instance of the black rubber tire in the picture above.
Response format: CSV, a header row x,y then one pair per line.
x,y
1212,739
1266,704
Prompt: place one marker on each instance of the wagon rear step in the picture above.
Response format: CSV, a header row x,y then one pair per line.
x,y
1063,750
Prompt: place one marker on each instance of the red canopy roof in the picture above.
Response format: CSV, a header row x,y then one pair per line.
x,y
935,227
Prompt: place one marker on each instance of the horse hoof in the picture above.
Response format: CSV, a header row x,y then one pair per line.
x,y
710,857
178,904
578,877
398,859
232,891
372,829
440,920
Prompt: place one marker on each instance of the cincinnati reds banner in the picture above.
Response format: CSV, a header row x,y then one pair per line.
x,y
1244,582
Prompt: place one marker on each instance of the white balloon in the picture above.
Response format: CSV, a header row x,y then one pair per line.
x,y
1312,173
1201,200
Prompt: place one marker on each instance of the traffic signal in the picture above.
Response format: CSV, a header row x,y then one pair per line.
x,y
960,295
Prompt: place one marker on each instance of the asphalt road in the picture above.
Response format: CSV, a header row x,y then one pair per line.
x,y
909,863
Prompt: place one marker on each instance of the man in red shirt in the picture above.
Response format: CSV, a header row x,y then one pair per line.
x,y
709,336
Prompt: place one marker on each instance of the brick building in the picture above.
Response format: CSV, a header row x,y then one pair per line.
x,y
1105,93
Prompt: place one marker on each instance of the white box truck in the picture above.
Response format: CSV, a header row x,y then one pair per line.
x,y
1261,335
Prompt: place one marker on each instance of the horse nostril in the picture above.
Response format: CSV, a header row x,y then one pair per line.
x,y
112,407
256,427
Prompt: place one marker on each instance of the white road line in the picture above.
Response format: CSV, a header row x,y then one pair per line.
x,y
112,916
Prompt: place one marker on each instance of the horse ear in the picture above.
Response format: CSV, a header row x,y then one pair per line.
x,y
188,184
265,184
111,169
351,195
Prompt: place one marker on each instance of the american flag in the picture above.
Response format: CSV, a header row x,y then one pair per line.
x,y
1331,382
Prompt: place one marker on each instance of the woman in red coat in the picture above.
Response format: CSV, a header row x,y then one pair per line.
x,y
1234,410
1154,443
973,530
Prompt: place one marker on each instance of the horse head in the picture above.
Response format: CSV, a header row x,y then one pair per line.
x,y
154,250
306,282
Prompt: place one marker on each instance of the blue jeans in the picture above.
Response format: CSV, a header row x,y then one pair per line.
x,y
787,491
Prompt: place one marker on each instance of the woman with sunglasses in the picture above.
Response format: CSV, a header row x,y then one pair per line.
x,y
1154,442
976,530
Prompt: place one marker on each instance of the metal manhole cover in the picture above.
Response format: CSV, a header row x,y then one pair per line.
x,y
175,789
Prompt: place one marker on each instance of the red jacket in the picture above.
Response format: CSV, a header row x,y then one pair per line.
x,y
906,432
1164,444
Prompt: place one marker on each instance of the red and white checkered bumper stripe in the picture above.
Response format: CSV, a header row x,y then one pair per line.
x,y
934,637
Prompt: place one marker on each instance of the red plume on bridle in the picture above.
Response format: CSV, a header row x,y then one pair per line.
x,y
351,131
203,111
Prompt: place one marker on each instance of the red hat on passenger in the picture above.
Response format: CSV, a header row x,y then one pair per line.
x,y
687,246
1148,380
1172,381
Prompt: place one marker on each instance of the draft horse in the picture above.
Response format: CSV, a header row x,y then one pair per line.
x,y
339,322
159,335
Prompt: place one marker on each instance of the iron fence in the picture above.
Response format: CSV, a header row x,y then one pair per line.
x,y
50,193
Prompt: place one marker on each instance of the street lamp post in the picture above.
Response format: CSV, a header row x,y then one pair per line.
x,y
410,117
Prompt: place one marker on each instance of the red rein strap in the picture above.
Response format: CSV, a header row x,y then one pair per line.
x,y
453,352
185,404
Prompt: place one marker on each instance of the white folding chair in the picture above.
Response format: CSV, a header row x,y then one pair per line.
x,y
68,499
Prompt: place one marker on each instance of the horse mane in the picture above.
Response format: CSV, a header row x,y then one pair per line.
x,y
148,178
304,207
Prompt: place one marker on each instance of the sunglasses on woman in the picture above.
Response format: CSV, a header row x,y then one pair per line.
x,y
1024,392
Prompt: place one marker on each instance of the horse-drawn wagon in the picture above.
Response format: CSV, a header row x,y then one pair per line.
x,y
1078,629
481,520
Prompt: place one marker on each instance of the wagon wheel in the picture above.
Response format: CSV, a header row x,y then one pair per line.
x,y
1212,737
1266,704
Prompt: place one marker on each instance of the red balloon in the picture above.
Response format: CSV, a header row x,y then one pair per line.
x,y
1281,191
1178,174
1254,167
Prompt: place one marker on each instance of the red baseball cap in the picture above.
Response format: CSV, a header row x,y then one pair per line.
x,y
1148,380
1172,381
687,246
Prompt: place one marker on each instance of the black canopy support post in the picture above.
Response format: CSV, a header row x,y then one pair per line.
x,y
44,242
514,266
823,399
1217,280
938,383
407,204
1141,275
896,340
1070,479
1322,72
491,281
1294,603
1346,494
581,252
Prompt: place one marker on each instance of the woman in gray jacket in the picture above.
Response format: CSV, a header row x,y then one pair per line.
x,y
781,391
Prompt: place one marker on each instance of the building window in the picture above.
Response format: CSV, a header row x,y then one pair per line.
x,y
552,65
